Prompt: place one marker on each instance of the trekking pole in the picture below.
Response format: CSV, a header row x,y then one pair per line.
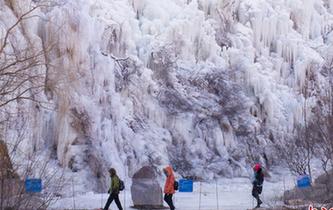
x,y
200,196
73,193
217,196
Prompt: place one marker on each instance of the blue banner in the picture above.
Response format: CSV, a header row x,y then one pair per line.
x,y
33,185
185,185
303,181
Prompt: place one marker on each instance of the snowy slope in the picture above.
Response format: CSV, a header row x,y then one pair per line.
x,y
188,83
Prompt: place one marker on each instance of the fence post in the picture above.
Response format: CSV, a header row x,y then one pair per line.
x,y
125,185
2,191
101,200
200,196
73,193
217,196
284,188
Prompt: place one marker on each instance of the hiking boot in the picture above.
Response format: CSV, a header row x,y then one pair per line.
x,y
259,203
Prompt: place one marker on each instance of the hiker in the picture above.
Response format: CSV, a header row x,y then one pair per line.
x,y
258,180
114,190
169,189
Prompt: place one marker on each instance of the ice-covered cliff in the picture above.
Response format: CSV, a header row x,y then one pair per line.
x,y
204,85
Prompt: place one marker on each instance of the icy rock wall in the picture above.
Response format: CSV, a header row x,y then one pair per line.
x,y
182,82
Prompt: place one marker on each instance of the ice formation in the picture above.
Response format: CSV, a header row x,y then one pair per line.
x,y
181,82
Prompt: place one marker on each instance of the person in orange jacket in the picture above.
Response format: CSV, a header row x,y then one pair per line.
x,y
169,189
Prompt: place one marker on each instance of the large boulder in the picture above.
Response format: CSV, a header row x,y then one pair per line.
x,y
146,191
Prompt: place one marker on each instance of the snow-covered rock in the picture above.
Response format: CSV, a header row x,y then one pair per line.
x,y
145,189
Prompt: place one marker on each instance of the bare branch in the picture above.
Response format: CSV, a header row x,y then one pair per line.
x,y
22,17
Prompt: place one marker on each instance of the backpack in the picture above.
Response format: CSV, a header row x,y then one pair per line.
x,y
121,185
176,185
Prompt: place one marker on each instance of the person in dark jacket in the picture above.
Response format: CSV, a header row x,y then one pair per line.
x,y
169,189
257,182
114,190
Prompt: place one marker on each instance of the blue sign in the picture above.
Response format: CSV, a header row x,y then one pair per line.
x,y
185,185
33,185
303,181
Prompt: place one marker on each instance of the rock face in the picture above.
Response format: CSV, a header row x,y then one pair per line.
x,y
146,191
196,91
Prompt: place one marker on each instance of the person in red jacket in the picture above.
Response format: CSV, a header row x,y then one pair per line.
x,y
169,189
257,182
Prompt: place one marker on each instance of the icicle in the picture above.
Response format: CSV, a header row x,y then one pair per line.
x,y
330,5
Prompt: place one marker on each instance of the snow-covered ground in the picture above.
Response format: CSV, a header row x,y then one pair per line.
x,y
233,194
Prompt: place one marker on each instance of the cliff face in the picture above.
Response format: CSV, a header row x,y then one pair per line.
x,y
202,85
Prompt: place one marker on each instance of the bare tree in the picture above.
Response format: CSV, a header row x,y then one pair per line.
x,y
27,164
23,73
315,137
12,189
322,122
22,64
296,151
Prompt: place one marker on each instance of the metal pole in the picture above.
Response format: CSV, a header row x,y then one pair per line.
x,y
125,187
101,200
284,188
73,193
217,196
200,197
2,192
